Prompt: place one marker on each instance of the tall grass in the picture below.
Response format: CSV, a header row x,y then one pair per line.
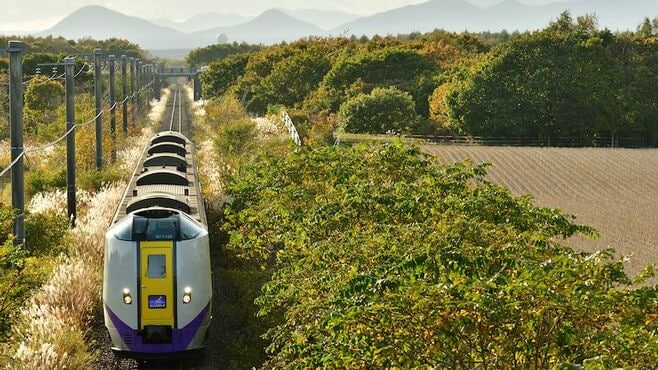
x,y
51,331
52,327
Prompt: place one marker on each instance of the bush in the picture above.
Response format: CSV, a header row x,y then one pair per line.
x,y
6,222
41,180
25,268
224,109
45,233
382,111
235,138
379,66
94,180
384,258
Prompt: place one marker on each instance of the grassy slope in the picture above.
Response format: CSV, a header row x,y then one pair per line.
x,y
613,190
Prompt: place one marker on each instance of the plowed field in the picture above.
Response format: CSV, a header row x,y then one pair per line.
x,y
612,190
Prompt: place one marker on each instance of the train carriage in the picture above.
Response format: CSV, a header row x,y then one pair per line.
x,y
157,289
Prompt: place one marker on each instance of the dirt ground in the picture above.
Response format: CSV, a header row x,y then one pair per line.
x,y
613,190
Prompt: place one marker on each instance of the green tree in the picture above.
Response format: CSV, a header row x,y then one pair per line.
x,y
43,97
547,84
293,79
221,75
383,257
403,68
31,61
214,53
387,110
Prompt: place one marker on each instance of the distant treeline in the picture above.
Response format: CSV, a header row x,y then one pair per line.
x,y
570,79
203,56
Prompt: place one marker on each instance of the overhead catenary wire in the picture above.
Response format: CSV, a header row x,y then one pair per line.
x,y
51,78
180,112
58,140
25,152
173,111
81,69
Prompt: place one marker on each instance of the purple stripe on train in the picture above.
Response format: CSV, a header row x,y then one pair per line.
x,y
181,337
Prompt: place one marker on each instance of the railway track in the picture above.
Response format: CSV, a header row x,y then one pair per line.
x,y
175,118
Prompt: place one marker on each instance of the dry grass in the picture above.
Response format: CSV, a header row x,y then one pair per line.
x,y
271,126
53,325
612,190
158,107
51,332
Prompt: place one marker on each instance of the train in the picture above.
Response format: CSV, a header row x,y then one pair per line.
x,y
157,287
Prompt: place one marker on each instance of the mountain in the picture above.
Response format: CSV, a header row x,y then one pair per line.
x,y
325,19
101,23
275,25
272,26
203,21
460,15
457,15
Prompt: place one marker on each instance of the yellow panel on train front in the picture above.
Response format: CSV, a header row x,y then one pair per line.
x,y
157,295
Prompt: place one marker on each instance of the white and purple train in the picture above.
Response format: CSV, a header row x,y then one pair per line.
x,y
157,290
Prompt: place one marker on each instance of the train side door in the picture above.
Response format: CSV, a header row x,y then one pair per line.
x,y
157,279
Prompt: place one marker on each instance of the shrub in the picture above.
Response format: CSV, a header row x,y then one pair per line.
x,y
224,109
94,180
382,111
379,66
235,138
6,222
45,233
43,180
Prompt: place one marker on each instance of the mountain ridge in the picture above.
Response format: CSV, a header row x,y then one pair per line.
x,y
277,25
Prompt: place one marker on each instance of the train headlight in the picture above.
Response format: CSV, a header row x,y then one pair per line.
x,y
127,298
187,295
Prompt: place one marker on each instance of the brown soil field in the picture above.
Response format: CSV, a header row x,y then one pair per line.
x,y
613,190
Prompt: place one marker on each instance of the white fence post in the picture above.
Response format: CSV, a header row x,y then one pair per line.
x,y
292,130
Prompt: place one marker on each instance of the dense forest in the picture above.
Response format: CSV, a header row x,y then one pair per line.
x,y
569,81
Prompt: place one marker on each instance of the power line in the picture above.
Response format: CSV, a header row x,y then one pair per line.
x,y
81,69
67,133
56,141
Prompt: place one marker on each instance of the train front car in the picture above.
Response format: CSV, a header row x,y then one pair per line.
x,y
157,289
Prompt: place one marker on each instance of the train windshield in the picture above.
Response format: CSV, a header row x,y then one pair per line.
x,y
157,226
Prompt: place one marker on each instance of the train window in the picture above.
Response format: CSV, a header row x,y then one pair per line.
x,y
157,226
124,229
162,229
188,229
157,266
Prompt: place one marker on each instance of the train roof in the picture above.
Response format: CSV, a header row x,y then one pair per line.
x,y
165,177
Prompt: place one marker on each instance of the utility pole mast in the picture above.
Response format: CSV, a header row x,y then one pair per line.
x,y
15,50
69,66
124,91
98,93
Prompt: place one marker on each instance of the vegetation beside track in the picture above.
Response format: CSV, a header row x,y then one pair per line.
x,y
227,139
53,283
380,256
570,82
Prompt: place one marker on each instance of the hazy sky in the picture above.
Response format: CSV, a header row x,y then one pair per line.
x,y
36,15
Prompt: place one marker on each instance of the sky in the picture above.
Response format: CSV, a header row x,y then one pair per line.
x,y
37,15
